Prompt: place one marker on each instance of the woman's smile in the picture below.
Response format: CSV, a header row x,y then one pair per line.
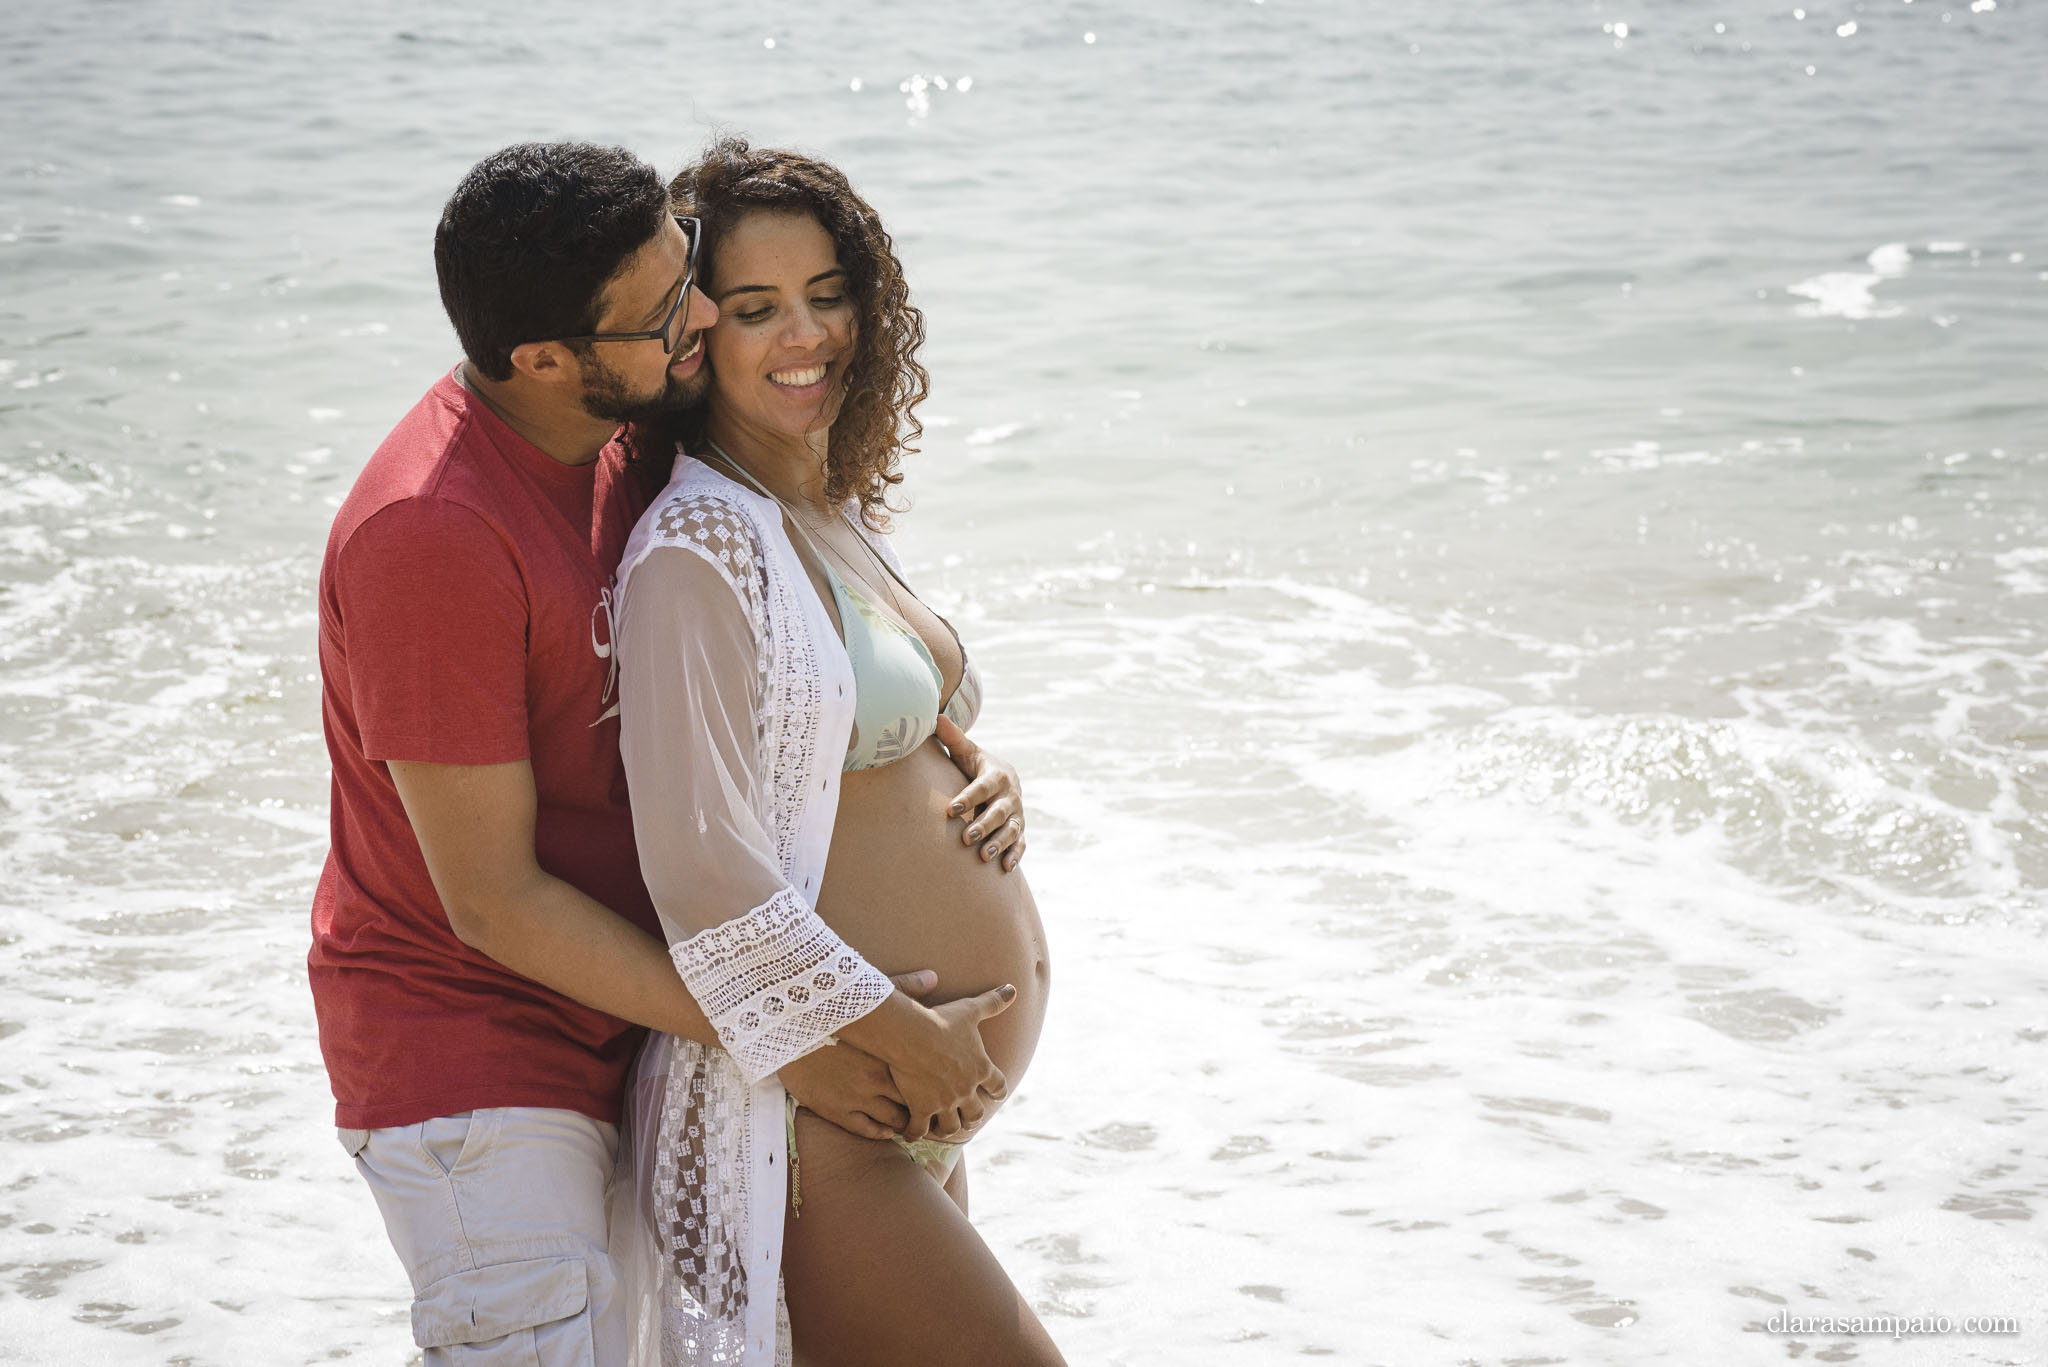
x,y
801,381
785,329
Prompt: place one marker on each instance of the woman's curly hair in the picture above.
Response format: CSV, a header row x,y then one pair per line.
x,y
883,382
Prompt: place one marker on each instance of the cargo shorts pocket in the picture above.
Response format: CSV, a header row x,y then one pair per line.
x,y
503,1314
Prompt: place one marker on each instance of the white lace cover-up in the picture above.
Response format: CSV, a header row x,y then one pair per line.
x,y
736,701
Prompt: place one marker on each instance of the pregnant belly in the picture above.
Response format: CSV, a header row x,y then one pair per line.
x,y
902,888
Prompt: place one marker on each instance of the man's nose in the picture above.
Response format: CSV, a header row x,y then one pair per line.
x,y
699,313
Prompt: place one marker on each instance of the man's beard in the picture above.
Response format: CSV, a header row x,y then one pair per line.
x,y
606,397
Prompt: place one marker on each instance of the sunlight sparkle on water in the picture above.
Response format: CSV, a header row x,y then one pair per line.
x,y
1501,809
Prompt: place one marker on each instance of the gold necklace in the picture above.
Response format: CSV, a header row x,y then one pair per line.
x,y
887,577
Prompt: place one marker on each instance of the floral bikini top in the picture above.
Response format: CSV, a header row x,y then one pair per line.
x,y
896,681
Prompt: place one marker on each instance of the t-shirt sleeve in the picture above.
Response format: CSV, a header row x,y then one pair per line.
x,y
434,617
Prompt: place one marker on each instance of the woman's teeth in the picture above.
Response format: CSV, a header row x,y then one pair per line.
x,y
798,379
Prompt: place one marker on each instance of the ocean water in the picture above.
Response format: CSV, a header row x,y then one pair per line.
x,y
1507,541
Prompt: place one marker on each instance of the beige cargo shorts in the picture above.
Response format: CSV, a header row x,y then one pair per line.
x,y
499,1218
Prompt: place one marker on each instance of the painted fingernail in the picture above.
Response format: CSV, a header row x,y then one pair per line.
x,y
974,832
988,851
958,808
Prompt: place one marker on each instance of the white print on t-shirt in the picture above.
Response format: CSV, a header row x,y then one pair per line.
x,y
608,611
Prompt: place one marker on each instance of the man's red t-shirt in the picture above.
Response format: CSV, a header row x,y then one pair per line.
x,y
465,611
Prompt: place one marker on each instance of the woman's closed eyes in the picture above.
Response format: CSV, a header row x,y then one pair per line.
x,y
766,311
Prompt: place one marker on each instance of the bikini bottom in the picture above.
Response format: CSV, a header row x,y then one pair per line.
x,y
935,1156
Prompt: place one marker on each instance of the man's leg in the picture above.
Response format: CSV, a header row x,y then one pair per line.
x,y
499,1218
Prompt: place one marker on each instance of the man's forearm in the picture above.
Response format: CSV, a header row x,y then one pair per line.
x,y
561,938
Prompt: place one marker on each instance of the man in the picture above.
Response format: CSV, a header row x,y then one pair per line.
x,y
484,952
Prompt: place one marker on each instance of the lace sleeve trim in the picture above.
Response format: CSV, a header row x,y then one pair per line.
x,y
776,982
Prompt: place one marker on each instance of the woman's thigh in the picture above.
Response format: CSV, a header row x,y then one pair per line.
x,y
882,1267
956,1185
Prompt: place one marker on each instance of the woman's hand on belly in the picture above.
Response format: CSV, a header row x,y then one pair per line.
x,y
993,802
936,1057
851,1087
897,890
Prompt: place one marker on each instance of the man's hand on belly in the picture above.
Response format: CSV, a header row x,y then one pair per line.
x,y
850,1088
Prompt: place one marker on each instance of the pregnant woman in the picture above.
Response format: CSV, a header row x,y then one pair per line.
x,y
788,703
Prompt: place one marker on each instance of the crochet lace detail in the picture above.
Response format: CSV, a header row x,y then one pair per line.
x,y
775,982
701,1191
722,535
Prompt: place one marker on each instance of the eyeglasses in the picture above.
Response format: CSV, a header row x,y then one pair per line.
x,y
693,229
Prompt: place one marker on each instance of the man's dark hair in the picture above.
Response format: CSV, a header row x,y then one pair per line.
x,y
530,237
